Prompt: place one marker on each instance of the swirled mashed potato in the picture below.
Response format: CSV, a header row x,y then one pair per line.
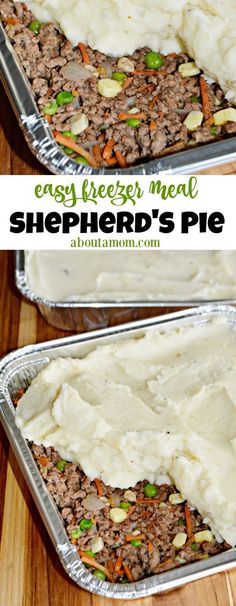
x,y
132,275
164,403
205,28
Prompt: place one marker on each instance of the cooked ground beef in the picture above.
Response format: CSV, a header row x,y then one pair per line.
x,y
164,97
156,520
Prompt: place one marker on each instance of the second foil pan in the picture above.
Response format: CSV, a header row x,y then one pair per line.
x,y
83,316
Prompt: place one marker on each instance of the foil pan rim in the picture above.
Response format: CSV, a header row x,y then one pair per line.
x,y
14,363
40,141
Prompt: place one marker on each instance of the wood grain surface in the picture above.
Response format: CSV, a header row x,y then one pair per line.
x,y
30,572
17,159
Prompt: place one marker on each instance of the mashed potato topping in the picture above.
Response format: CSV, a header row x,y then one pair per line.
x,y
205,28
163,403
132,276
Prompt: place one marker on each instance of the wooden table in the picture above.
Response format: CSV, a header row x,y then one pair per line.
x,y
30,572
17,159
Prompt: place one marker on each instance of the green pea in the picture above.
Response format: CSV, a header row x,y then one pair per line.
x,y
194,99
136,543
181,522
67,150
81,160
213,130
85,524
69,134
90,553
133,122
75,534
35,26
61,465
99,574
154,60
194,546
119,77
124,581
50,108
64,97
150,490
125,505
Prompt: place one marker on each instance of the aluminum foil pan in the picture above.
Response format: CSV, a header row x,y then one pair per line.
x,y
38,136
16,371
91,315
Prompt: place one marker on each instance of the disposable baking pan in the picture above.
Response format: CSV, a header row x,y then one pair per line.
x,y
38,136
16,371
83,316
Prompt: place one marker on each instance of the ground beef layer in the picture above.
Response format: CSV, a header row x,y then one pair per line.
x,y
136,548
164,97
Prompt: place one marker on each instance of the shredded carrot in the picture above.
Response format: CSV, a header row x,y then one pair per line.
x,y
99,487
97,154
138,537
121,159
169,561
145,72
108,151
149,501
150,547
127,83
153,125
131,510
188,521
48,118
11,20
129,574
127,116
205,98
209,122
75,147
111,566
173,148
43,461
149,88
118,565
84,52
153,102
92,562
73,541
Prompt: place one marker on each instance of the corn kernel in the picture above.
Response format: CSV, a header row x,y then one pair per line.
x,y
109,88
96,544
125,65
179,540
188,69
194,120
204,535
118,515
176,498
224,116
130,496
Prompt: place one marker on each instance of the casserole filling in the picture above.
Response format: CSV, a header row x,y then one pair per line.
x,y
107,111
